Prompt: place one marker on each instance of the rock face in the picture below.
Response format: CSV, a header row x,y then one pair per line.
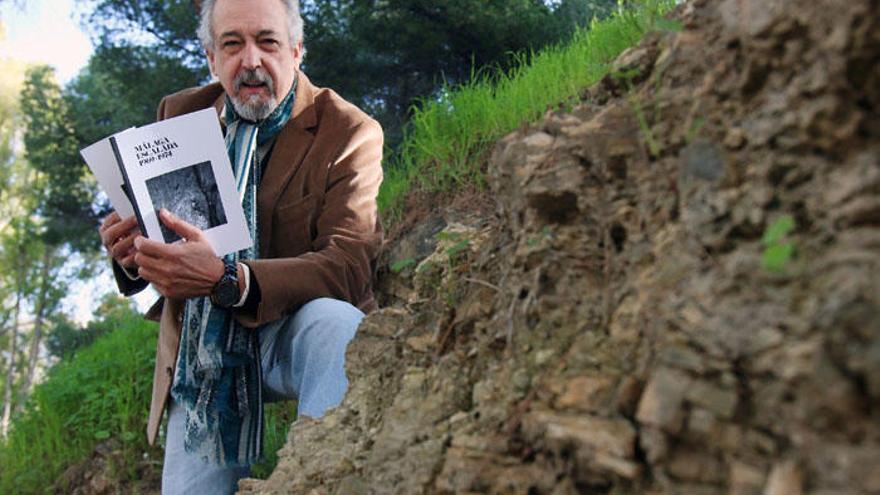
x,y
616,327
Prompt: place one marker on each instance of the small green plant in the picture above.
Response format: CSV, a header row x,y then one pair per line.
x,y
453,250
401,265
779,249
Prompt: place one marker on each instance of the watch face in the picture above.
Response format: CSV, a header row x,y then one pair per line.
x,y
227,292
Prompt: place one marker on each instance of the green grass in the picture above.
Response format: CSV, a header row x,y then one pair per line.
x,y
447,138
102,392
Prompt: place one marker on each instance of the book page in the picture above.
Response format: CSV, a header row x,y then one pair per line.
x,y
102,162
181,164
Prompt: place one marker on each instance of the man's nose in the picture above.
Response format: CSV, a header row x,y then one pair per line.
x,y
251,58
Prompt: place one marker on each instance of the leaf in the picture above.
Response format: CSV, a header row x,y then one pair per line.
x,y
778,230
102,435
448,236
458,247
129,436
776,257
399,266
671,25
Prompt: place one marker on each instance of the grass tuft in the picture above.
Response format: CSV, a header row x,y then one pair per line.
x,y
447,138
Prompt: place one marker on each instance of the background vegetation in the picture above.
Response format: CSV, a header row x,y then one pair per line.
x,y
446,79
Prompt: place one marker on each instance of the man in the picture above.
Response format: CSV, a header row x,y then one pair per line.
x,y
280,314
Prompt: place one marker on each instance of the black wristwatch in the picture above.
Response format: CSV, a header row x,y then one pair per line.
x,y
225,292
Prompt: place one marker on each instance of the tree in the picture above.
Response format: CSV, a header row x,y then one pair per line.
x,y
380,54
386,54
14,224
46,200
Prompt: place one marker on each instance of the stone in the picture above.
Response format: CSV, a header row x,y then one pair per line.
x,y
602,445
683,358
662,400
703,423
352,485
721,401
745,479
654,442
421,343
689,464
786,478
539,140
702,160
586,393
735,138
626,398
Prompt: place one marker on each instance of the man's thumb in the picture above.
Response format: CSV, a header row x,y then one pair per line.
x,y
178,225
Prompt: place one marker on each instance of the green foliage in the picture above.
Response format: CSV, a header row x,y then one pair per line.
x,y
401,265
778,248
447,138
166,26
52,150
279,416
65,338
103,391
384,55
121,87
381,55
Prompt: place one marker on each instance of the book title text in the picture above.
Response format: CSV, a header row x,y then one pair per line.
x,y
155,150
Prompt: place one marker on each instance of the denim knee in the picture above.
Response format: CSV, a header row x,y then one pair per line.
x,y
307,358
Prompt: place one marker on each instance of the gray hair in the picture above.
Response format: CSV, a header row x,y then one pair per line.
x,y
206,22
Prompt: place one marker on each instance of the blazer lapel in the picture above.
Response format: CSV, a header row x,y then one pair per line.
x,y
290,149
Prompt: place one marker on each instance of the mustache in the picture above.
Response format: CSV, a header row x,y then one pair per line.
x,y
252,77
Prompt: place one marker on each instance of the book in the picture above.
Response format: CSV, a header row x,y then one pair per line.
x,y
179,164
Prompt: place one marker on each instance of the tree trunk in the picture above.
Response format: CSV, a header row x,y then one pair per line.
x,y
39,320
13,351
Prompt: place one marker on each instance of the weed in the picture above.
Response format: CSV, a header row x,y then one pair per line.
x,y
778,248
401,265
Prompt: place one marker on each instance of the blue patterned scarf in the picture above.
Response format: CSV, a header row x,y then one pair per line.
x,y
218,378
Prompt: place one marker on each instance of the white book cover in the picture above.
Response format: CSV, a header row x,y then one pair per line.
x,y
181,164
102,162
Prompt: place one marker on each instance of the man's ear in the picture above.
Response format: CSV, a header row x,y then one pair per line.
x,y
210,56
298,54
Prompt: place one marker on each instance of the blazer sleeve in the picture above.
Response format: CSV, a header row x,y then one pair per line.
x,y
347,240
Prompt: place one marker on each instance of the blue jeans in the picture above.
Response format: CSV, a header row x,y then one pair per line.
x,y
303,357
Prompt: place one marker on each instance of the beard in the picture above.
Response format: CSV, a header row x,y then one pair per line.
x,y
253,107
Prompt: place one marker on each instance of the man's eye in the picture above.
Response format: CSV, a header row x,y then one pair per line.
x,y
230,43
269,41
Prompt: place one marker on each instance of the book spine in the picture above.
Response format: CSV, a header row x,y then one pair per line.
x,y
128,191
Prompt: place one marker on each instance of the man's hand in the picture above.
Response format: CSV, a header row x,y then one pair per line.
x,y
181,270
118,236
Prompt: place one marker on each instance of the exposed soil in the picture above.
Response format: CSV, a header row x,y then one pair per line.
x,y
613,327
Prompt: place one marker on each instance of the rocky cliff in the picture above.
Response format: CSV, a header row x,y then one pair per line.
x,y
678,290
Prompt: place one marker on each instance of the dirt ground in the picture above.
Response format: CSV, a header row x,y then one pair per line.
x,y
677,290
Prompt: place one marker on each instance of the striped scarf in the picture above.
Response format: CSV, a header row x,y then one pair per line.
x,y
218,378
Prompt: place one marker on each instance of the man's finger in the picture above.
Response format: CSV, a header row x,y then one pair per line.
x,y
183,229
143,259
118,229
121,248
153,248
109,220
128,260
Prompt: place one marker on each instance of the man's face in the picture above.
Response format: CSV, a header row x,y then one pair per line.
x,y
252,54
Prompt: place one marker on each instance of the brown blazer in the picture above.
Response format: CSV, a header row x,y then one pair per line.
x,y
317,217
